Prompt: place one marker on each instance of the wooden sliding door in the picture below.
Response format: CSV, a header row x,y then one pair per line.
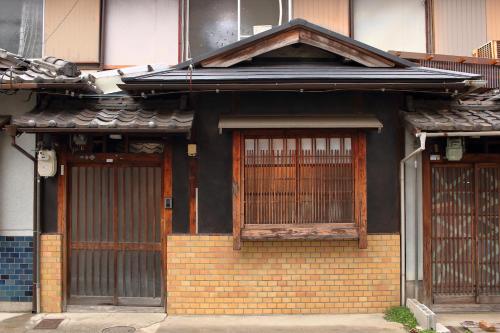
x,y
115,216
465,233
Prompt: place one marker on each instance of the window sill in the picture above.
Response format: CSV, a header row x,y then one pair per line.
x,y
313,231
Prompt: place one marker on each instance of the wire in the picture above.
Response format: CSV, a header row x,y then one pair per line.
x,y
62,21
99,96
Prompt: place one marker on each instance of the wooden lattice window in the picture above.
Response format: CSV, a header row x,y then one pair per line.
x,y
299,185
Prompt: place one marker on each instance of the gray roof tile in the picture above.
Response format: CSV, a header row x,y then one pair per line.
x,y
16,69
106,116
450,119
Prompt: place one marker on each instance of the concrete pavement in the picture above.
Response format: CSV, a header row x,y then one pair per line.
x,y
455,319
160,323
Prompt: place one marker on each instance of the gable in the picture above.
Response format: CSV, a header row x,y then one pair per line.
x,y
294,33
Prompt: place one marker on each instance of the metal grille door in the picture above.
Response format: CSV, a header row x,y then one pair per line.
x,y
115,238
465,233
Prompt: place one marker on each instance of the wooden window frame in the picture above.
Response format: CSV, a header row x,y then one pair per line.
x,y
320,231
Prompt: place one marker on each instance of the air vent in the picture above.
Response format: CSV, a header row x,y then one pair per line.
x,y
489,50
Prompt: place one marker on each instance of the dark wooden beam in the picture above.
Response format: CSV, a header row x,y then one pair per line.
x,y
295,36
166,225
360,195
237,191
167,187
193,183
427,227
348,51
250,51
62,214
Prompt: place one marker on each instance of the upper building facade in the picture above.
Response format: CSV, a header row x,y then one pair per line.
x,y
118,33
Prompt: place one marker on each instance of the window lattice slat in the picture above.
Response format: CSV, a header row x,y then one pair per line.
x,y
298,180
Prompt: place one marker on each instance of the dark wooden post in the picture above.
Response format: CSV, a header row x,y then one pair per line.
x,y
361,190
237,209
427,231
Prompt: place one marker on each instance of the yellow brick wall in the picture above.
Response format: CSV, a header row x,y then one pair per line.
x,y
51,272
206,276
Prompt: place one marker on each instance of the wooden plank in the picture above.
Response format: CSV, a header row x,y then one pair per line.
x,y
166,225
295,36
348,51
118,246
301,231
427,228
453,299
253,50
115,233
249,227
62,228
167,187
99,158
476,230
193,183
360,169
237,197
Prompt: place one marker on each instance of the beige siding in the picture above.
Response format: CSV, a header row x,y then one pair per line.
x,y
331,14
459,26
390,24
72,33
153,39
493,19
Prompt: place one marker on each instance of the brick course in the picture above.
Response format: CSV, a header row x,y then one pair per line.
x,y
51,272
206,276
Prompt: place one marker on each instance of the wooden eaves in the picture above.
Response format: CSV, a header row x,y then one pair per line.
x,y
445,57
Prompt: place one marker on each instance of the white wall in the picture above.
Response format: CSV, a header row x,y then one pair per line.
x,y
16,173
141,32
391,24
413,201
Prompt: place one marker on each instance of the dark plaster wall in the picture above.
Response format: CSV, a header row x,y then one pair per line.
x,y
384,150
180,185
48,204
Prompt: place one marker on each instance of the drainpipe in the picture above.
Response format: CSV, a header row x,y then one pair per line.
x,y
12,131
422,138
416,228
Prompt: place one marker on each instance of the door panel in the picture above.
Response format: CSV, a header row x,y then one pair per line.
x,y
115,243
453,273
488,234
465,233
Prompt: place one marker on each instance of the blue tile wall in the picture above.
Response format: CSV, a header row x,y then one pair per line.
x,y
16,268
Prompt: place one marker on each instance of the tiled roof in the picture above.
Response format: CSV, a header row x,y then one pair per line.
x,y
453,119
15,69
300,72
111,116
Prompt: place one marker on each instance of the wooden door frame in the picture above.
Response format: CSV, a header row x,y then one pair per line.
x,y
473,159
63,210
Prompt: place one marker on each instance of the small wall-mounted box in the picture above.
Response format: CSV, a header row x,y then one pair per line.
x,y
47,163
192,150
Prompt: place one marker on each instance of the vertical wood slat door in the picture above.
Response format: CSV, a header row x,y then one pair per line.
x,y
115,238
488,236
465,233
